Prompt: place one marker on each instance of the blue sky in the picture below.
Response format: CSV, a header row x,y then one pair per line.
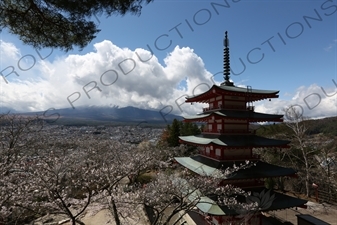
x,y
284,45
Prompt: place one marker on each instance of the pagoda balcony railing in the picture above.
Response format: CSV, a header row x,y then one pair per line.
x,y
253,157
227,131
234,157
229,107
251,108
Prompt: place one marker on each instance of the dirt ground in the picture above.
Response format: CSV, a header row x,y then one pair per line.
x,y
91,217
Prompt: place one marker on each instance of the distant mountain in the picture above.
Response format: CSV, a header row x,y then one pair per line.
x,y
6,110
105,115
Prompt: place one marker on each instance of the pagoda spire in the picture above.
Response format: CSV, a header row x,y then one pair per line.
x,y
226,64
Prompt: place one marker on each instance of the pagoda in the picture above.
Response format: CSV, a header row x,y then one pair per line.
x,y
227,140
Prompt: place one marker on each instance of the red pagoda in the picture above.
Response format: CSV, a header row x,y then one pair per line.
x,y
228,140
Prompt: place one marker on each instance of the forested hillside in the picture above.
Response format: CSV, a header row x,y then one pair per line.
x,y
312,152
326,126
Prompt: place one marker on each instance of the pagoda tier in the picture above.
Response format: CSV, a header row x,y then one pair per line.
x,y
248,116
273,201
233,93
207,167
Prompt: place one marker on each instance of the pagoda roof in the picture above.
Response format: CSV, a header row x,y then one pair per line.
x,y
268,200
249,93
236,114
207,167
311,220
234,140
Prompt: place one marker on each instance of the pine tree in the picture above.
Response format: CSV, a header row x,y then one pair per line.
x,y
174,133
60,23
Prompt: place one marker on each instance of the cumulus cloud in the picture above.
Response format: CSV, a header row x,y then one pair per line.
x,y
8,50
107,76
313,101
111,75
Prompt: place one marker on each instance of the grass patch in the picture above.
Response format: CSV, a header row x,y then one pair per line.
x,y
146,177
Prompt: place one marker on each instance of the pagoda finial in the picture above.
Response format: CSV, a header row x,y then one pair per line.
x,y
226,65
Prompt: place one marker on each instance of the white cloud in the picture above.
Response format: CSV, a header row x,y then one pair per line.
x,y
8,50
315,101
126,77
108,76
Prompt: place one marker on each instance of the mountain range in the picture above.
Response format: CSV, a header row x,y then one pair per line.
x,y
105,115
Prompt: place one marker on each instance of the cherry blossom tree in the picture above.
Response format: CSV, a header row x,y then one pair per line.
x,y
169,196
63,182
17,132
48,175
302,151
42,174
121,164
16,136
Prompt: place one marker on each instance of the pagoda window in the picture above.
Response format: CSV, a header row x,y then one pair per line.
x,y
218,152
207,150
218,98
219,127
210,126
219,104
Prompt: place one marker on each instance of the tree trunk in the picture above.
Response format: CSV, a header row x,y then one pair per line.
x,y
307,175
307,184
73,221
115,211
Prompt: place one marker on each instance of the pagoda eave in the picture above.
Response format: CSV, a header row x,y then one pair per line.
x,y
248,116
279,201
207,167
249,94
232,147
249,120
232,141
